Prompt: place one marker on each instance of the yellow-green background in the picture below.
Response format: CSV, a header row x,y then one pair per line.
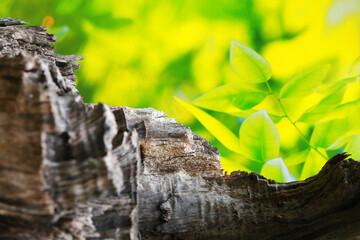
x,y
141,53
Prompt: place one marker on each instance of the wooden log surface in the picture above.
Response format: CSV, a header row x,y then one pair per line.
x,y
70,170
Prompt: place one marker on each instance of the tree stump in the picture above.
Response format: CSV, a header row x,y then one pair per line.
x,y
70,170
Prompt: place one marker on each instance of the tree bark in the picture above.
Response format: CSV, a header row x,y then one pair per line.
x,y
70,170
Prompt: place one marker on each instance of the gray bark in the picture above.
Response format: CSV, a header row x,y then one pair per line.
x,y
70,170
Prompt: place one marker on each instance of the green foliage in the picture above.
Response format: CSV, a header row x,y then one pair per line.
x,y
259,138
230,98
353,146
333,97
215,127
313,163
305,83
276,170
355,66
335,121
328,134
242,57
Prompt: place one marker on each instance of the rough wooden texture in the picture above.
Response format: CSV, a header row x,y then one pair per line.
x,y
247,206
36,40
167,146
197,204
70,170
11,21
60,172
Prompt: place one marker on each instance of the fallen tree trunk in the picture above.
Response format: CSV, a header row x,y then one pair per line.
x,y
70,170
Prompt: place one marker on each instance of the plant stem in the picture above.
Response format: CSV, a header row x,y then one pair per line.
x,y
293,122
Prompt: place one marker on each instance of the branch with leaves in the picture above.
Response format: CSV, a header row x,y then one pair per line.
x,y
330,115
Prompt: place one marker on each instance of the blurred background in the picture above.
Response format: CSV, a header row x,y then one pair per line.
x,y
142,53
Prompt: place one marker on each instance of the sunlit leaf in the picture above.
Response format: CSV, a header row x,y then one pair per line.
x,y
327,134
328,88
235,163
343,123
355,67
353,147
259,138
352,92
341,142
276,169
305,83
313,164
215,127
295,107
248,65
328,103
297,158
245,114
230,98
342,110
270,104
354,120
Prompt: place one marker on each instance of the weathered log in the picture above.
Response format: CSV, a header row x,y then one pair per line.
x,y
35,40
70,170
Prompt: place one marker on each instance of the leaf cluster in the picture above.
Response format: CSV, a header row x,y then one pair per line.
x,y
333,118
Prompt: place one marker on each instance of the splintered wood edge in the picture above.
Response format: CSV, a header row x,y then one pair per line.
x,y
11,21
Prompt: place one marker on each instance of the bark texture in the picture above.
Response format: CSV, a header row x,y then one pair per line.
x,y
70,170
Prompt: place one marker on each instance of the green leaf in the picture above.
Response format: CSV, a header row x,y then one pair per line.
x,y
248,64
343,124
259,138
297,158
327,134
236,162
305,83
269,104
328,103
276,169
215,127
354,119
328,88
230,98
355,66
295,108
353,147
342,110
244,114
313,164
341,142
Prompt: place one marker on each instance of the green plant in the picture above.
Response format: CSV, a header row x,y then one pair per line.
x,y
332,120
